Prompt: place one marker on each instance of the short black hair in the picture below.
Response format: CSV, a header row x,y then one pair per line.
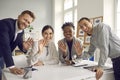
x,y
68,24
84,18
47,27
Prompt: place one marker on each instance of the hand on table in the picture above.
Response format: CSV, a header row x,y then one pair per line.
x,y
69,62
99,73
39,63
16,71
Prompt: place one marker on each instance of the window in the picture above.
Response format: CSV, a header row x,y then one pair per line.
x,y
118,18
70,11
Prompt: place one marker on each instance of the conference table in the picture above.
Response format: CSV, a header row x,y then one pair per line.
x,y
61,72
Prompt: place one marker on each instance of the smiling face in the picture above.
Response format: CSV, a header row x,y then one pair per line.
x,y
48,34
68,32
86,26
24,21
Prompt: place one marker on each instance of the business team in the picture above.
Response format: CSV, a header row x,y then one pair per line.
x,y
11,35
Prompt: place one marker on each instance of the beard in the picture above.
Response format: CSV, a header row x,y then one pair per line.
x,y
21,25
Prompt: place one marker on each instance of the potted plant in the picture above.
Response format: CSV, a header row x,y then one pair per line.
x,y
30,28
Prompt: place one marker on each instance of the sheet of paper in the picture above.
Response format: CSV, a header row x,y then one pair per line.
x,y
80,64
85,77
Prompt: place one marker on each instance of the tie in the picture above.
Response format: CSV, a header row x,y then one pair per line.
x,y
46,50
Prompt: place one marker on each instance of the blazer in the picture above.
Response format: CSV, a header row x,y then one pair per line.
x,y
7,43
73,52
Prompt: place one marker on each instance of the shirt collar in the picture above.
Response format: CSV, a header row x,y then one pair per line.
x,y
17,29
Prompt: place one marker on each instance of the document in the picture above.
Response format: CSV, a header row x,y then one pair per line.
x,y
80,64
92,67
85,77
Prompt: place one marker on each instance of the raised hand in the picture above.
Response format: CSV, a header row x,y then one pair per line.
x,y
42,43
62,47
27,44
78,48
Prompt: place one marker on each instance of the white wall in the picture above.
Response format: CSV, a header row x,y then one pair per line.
x,y
41,8
90,8
109,13
95,8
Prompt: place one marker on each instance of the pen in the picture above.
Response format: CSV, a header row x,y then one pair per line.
x,y
95,70
34,69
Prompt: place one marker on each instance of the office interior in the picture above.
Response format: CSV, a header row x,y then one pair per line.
x,y
53,12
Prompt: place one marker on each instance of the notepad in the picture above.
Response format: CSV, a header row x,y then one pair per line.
x,y
104,67
82,78
80,64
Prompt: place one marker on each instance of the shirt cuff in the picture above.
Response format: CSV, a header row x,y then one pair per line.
x,y
11,67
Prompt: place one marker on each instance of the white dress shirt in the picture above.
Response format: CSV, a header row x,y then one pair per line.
x,y
16,33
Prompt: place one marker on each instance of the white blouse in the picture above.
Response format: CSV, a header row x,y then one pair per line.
x,y
48,56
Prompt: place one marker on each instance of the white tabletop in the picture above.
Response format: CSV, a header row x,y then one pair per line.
x,y
59,72
53,72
